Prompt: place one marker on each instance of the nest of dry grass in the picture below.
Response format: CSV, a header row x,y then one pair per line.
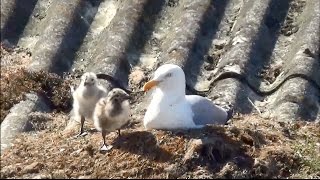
x,y
250,147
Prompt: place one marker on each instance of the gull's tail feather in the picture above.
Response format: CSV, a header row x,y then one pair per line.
x,y
113,81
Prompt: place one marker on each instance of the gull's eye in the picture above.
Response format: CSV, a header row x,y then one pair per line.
x,y
169,75
91,79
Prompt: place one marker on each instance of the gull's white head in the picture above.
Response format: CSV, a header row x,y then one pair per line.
x,y
168,77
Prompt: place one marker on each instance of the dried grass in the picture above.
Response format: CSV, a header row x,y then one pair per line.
x,y
249,147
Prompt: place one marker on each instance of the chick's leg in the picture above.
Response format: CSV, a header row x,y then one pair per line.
x,y
81,133
104,146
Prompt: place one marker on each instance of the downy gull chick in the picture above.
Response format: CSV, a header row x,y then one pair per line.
x,y
112,113
85,98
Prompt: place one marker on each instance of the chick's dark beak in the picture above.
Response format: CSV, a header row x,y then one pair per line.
x,y
88,82
85,82
127,97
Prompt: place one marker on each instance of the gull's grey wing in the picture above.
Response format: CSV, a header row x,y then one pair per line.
x,y
205,111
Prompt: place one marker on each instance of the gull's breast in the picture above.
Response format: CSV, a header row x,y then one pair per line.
x,y
169,116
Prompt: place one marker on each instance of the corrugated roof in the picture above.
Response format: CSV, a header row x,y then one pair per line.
x,y
266,51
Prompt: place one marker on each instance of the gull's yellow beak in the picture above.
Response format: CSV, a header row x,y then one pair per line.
x,y
149,85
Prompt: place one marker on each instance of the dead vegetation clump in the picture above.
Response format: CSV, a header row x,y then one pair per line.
x,y
16,81
13,58
249,147
15,84
306,144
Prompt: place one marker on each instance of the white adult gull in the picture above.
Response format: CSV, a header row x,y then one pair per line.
x,y
170,107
